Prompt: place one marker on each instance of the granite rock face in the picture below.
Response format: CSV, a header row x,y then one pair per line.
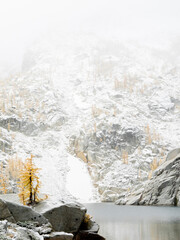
x,y
66,217
163,188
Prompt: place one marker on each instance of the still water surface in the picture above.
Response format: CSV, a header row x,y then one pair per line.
x,y
136,222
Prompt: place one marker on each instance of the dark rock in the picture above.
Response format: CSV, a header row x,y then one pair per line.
x,y
93,227
5,214
66,217
88,236
23,213
90,226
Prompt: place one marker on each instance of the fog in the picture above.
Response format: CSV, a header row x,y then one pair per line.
x,y
24,21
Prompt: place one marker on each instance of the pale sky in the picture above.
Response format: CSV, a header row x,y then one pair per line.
x,y
22,21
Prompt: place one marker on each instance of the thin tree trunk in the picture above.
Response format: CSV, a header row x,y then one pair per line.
x,y
30,194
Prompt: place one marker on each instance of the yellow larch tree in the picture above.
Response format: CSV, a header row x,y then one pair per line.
x,y
29,183
14,166
4,179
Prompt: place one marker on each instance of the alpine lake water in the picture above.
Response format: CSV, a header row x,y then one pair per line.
x,y
136,222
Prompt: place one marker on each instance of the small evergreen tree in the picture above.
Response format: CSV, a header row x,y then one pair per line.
x,y
29,183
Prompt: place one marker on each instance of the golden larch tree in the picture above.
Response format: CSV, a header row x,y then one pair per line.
x,y
14,166
4,179
29,183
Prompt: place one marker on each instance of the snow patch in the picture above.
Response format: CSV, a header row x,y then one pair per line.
x,y
78,180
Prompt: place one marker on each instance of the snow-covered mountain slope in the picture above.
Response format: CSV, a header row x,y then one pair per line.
x,y
85,105
33,122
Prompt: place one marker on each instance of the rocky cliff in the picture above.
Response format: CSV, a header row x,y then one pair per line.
x,y
162,189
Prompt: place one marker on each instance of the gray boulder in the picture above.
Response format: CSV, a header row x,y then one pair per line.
x,y
66,217
23,213
5,214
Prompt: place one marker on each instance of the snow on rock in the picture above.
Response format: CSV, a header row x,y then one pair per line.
x,y
85,111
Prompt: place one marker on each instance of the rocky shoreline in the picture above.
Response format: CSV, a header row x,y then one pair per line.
x,y
60,222
70,221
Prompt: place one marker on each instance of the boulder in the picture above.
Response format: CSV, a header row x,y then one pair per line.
x,y
23,213
5,214
88,230
89,226
93,226
66,217
59,236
